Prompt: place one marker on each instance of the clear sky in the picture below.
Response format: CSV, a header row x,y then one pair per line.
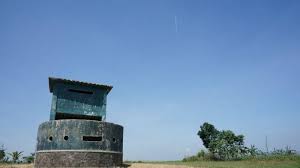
x,y
173,65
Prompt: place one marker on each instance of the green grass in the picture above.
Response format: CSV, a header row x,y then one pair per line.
x,y
243,164
291,162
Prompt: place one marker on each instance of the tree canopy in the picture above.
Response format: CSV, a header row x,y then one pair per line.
x,y
224,145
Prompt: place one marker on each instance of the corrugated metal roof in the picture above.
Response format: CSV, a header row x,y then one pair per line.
x,y
53,81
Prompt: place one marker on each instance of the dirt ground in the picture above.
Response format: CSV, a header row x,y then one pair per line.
x,y
16,166
145,165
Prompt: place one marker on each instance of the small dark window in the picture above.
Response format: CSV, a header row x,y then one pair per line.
x,y
114,140
50,138
66,138
63,116
92,138
80,91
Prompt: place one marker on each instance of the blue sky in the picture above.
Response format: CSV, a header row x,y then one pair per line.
x,y
173,65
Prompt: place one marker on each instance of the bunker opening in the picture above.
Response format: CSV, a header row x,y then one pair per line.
x,y
64,116
92,138
80,91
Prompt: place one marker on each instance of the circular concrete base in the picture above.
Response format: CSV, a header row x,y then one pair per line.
x,y
77,159
79,143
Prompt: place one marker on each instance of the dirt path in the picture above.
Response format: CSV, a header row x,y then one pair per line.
x,y
16,166
145,165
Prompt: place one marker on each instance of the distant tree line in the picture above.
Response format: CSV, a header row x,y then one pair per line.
x,y
15,157
225,145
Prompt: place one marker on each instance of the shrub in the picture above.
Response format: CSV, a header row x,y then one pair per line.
x,y
29,159
201,155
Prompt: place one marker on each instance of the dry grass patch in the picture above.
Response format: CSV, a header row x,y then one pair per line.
x,y
16,166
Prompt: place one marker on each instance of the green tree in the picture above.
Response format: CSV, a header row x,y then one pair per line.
x,y
15,156
2,153
224,145
207,133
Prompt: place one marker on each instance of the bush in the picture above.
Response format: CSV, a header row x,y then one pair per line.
x,y
29,159
201,155
191,159
253,154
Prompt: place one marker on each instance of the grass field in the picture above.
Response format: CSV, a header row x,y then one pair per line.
x,y
241,164
293,162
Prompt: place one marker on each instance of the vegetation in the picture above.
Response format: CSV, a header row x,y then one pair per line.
x,y
223,145
267,162
225,149
280,155
3,157
2,153
29,159
15,156
293,162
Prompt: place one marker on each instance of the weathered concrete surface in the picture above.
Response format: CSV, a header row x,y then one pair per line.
x,y
76,135
77,159
102,147
69,134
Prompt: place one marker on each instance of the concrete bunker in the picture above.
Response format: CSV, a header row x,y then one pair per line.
x,y
77,134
